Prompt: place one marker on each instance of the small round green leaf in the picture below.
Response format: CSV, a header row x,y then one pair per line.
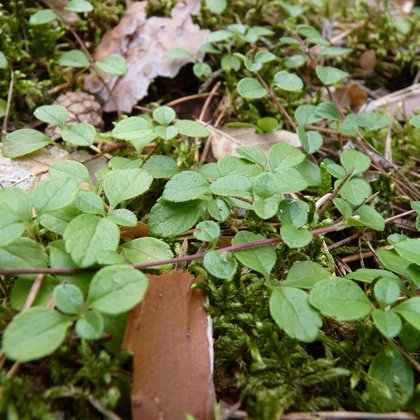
x,y
288,81
68,298
222,265
305,274
388,323
113,64
192,128
42,17
164,115
341,299
185,186
24,141
207,231
415,121
78,6
355,162
295,238
291,311
51,114
74,58
161,166
284,155
250,88
386,291
82,134
34,333
410,311
116,289
132,128
330,75
91,326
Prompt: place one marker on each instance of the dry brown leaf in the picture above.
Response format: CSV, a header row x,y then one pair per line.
x,y
368,60
224,141
404,101
353,96
130,233
170,335
144,44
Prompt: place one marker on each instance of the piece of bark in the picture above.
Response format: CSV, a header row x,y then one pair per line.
x,y
144,43
170,335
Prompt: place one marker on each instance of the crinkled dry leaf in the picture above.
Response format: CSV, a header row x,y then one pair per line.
x,y
170,335
404,101
353,96
144,44
224,141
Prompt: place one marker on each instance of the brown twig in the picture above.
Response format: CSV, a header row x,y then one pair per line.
x,y
8,105
187,258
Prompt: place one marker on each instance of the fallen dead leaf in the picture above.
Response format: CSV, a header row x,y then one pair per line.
x,y
131,233
144,43
404,101
170,335
353,96
368,60
224,141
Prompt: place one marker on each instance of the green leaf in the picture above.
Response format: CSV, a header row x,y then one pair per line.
x,y
305,274
113,64
42,17
290,309
23,253
132,128
267,125
87,236
266,185
218,36
116,289
144,250
82,134
59,258
171,219
166,133
231,185
10,228
78,6
185,186
202,70
388,323
369,275
91,326
164,115
341,299
161,167
311,141
330,75
415,121
252,154
250,88
68,298
295,238
22,288
288,81
222,265
328,111
207,231
355,191
260,259
123,217
367,216
284,155
409,249
89,202
373,121
119,162
386,291
74,58
3,65
219,210
332,52
290,180
306,114
123,184
192,128
53,194
293,212
34,333
410,311
58,220
70,169
51,114
24,141
177,53
355,162
230,62
230,165
216,6
392,261
391,370
266,208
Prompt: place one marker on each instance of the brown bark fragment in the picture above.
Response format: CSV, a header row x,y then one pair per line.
x,y
169,333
